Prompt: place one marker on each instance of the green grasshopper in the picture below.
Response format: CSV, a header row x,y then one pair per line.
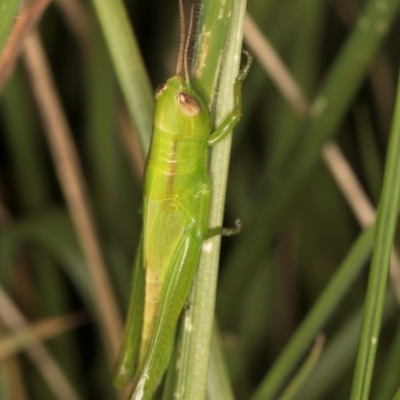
x,y
177,198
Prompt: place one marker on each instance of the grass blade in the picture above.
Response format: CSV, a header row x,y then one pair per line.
x,y
8,12
129,66
328,110
316,318
198,320
385,227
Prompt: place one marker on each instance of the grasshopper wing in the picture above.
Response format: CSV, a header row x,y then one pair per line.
x,y
177,276
125,365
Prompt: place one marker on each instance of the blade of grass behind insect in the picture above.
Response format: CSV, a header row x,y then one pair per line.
x,y
280,33
265,11
316,318
4,379
339,355
336,361
385,227
302,62
304,371
129,66
44,330
251,333
327,111
101,125
113,187
370,153
397,395
217,20
53,232
46,365
23,141
256,91
31,181
390,371
218,384
8,12
12,385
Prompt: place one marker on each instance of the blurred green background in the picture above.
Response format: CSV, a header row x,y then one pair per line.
x,y
275,270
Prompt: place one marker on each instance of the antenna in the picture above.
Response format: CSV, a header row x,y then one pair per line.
x,y
188,37
182,39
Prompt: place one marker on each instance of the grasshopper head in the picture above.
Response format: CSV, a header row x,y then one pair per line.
x,y
180,109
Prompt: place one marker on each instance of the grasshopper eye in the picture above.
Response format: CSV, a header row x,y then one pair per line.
x,y
160,89
188,104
